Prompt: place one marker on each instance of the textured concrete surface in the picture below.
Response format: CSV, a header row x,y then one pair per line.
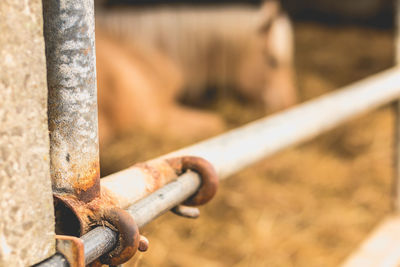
x,y
26,211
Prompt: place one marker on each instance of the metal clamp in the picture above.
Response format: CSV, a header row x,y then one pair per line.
x,y
80,217
128,236
207,189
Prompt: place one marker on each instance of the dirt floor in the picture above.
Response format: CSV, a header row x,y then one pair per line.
x,y
308,206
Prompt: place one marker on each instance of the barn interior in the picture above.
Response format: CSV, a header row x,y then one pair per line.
x,y
311,205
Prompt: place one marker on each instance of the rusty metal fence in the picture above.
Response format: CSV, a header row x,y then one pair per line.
x,y
108,213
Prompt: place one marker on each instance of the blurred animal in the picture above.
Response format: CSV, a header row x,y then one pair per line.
x,y
137,89
238,48
373,12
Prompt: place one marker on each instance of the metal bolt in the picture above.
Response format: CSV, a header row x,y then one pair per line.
x,y
143,244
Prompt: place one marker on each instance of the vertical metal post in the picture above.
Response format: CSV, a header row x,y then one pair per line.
x,y
396,183
72,102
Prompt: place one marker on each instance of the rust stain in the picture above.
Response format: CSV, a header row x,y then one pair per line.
x,y
209,177
93,207
100,211
157,173
87,186
128,238
72,248
152,174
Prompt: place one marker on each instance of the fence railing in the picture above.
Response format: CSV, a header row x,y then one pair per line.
x,y
228,153
239,148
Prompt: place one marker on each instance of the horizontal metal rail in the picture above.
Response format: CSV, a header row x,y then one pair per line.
x,y
236,149
144,211
102,239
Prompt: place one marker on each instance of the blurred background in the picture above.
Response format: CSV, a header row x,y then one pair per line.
x,y
171,73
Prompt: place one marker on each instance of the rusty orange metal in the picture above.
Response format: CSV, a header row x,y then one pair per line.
x,y
76,214
72,249
128,237
87,187
209,178
140,180
143,244
76,217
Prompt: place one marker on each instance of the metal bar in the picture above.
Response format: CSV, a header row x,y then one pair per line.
x,y
57,260
380,248
97,242
236,149
162,200
72,103
102,239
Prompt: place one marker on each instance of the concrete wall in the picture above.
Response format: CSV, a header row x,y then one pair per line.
x,y
26,207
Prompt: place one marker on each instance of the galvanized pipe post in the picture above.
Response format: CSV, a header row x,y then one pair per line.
x,y
74,150
71,78
396,107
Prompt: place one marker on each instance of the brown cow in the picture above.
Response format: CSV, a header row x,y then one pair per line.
x,y
244,48
137,89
